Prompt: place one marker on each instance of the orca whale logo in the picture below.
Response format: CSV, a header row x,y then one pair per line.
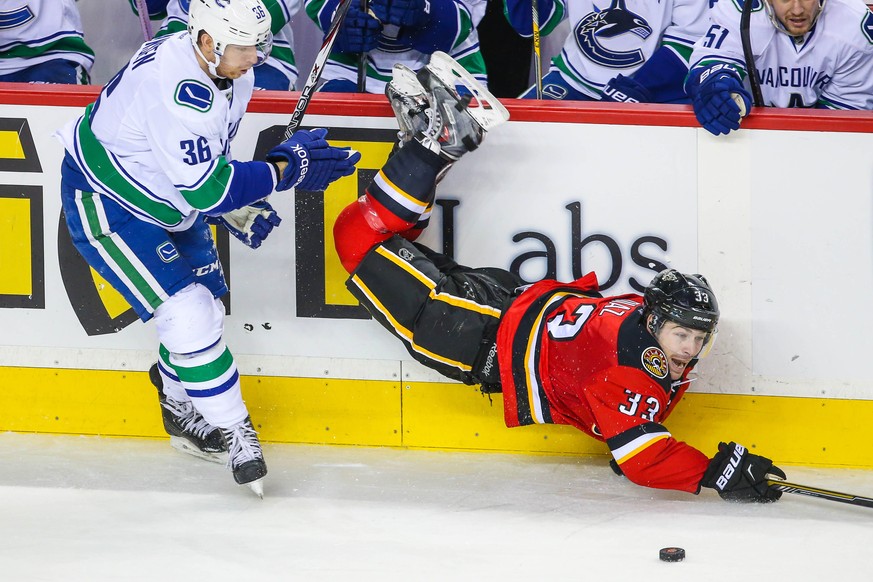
x,y
613,21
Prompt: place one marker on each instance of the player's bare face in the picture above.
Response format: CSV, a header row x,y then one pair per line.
x,y
797,16
680,345
237,60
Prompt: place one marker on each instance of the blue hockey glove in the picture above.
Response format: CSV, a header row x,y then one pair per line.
x,y
738,475
359,32
623,89
251,224
714,105
312,163
411,13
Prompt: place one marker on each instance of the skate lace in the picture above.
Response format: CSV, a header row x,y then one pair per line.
x,y
189,419
242,444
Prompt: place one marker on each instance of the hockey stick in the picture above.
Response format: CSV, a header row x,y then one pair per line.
x,y
787,487
538,66
317,67
748,55
144,22
362,59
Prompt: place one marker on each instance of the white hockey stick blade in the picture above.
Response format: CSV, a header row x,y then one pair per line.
x,y
484,107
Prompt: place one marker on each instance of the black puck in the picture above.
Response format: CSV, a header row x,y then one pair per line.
x,y
672,554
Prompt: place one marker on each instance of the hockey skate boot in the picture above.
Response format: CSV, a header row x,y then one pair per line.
x,y
409,101
460,109
244,455
189,432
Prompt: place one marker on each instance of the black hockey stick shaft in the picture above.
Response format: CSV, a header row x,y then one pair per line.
x,y
362,58
797,489
317,67
748,55
537,51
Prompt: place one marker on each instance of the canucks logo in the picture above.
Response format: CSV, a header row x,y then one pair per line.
x,y
194,94
167,252
611,22
655,362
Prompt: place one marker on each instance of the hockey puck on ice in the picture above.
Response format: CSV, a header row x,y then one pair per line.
x,y
672,554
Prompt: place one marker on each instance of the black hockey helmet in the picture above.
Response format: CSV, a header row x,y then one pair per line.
x,y
686,300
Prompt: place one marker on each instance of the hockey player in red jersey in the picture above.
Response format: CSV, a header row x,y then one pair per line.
x,y
613,367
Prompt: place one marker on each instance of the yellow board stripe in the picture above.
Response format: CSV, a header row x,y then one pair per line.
x,y
403,331
16,250
10,145
433,415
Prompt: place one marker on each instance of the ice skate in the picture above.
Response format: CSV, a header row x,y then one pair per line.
x,y
408,99
189,432
245,457
443,107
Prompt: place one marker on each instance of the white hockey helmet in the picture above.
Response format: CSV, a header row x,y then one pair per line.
x,y
231,22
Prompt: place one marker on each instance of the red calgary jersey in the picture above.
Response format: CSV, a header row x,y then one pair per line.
x,y
569,356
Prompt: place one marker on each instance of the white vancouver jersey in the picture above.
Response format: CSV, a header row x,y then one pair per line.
x,y
281,11
606,40
831,66
36,31
157,140
380,62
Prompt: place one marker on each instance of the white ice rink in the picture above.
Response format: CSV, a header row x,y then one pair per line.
x,y
94,509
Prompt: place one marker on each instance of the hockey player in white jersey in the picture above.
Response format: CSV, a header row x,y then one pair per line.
x,y
617,50
808,53
278,72
144,165
41,41
402,32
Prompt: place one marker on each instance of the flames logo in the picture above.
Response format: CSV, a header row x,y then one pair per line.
x,y
655,362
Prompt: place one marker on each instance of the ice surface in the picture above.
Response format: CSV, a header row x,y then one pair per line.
x,y
92,509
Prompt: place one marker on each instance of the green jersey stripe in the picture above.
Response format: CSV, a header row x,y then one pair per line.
x,y
206,373
65,44
99,164
284,54
560,64
682,50
113,253
213,189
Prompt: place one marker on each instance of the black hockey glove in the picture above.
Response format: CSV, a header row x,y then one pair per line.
x,y
738,475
